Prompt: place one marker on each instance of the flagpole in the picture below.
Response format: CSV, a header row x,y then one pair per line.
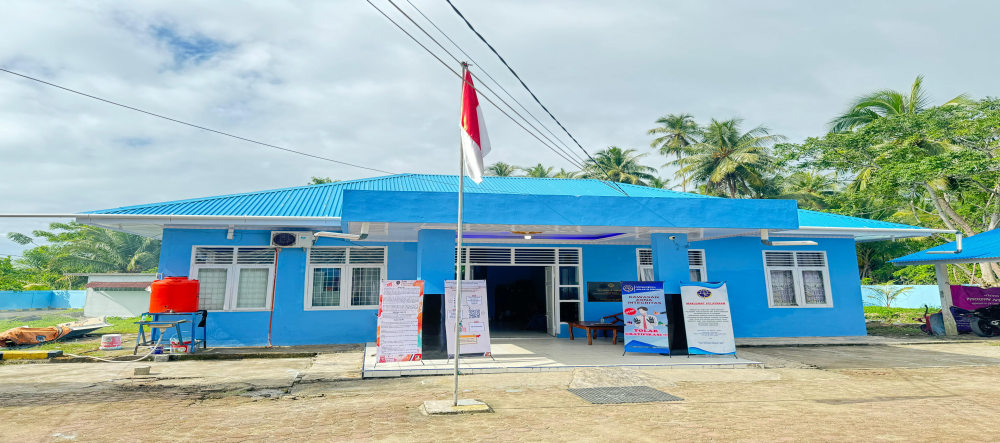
x,y
460,276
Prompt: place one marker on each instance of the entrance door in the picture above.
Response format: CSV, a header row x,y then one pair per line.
x,y
551,313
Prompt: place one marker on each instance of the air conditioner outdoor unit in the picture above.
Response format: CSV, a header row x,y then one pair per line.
x,y
292,239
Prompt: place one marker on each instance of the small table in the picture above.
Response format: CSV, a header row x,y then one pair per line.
x,y
591,326
157,327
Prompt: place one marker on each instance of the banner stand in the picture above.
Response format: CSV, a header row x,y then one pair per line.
x,y
707,318
645,315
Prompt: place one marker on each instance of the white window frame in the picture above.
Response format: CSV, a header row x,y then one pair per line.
x,y
640,267
232,278
800,298
346,277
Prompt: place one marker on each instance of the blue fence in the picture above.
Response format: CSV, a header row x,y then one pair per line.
x,y
915,298
10,300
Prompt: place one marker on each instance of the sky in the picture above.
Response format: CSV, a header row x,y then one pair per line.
x,y
338,80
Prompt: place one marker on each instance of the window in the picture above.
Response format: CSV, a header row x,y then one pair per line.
x,y
234,279
696,264
344,277
797,279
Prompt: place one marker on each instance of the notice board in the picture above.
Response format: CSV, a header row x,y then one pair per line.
x,y
707,319
475,334
400,321
646,320
598,291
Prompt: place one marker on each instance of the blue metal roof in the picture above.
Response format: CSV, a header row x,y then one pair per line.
x,y
326,200
984,247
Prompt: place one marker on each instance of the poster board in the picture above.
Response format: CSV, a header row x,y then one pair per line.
x,y
604,291
645,312
399,336
475,333
971,298
707,318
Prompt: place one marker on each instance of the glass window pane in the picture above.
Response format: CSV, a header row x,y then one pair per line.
x,y
571,293
569,311
782,288
326,287
568,275
696,275
252,289
211,288
815,290
646,273
364,286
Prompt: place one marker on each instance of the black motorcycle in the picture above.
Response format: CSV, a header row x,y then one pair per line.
x,y
985,321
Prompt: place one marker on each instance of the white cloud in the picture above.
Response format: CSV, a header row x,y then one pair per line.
x,y
337,80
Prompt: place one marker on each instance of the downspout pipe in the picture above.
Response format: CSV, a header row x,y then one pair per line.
x,y
958,245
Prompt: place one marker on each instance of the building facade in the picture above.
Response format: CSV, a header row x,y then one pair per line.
x,y
539,242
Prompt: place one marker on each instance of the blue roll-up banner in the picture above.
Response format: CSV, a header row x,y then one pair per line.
x,y
645,314
707,319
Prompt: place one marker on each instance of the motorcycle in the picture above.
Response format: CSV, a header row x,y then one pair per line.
x,y
985,321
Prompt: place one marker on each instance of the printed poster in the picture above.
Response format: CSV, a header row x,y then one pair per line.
x,y
400,321
645,312
971,298
707,318
475,334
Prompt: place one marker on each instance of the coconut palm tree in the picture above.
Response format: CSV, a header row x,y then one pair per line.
x,y
566,174
620,165
104,250
886,103
538,171
501,169
731,161
660,183
676,133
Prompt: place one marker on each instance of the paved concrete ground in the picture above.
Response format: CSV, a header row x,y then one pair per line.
x,y
322,399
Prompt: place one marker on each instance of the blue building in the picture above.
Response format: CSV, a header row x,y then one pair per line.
x,y
537,242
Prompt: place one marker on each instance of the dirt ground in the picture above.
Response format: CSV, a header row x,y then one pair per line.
x,y
889,393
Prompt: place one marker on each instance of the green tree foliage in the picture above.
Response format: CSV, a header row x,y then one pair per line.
x,y
888,294
501,169
676,133
886,103
566,174
728,160
621,165
321,181
934,167
76,248
538,171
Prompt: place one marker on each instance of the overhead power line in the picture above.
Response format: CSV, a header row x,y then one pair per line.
x,y
532,94
241,138
446,65
499,85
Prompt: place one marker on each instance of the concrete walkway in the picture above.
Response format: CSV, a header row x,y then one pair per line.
x,y
765,342
546,355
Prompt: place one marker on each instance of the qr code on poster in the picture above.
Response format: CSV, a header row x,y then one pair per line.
x,y
474,313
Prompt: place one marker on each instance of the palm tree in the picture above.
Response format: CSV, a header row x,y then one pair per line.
x,y
104,250
501,169
728,160
886,103
619,165
677,132
566,174
538,171
660,183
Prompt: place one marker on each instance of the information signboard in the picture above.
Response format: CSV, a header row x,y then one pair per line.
x,y
600,291
645,312
400,321
707,319
475,335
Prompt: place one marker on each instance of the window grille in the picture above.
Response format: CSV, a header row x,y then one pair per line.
x,y
527,256
569,256
213,256
255,256
696,257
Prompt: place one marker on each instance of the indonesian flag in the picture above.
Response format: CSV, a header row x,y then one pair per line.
x,y
475,143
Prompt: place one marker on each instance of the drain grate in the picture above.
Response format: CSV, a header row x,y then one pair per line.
x,y
623,394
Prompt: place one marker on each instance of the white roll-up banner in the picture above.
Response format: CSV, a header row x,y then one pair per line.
x,y
707,318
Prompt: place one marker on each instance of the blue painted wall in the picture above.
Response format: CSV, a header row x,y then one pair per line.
x,y
738,261
54,299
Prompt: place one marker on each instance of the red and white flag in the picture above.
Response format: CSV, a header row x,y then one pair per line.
x,y
475,143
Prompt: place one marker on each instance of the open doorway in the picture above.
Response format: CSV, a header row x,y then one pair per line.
x,y
518,298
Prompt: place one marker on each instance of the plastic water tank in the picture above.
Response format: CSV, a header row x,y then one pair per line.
x,y
174,294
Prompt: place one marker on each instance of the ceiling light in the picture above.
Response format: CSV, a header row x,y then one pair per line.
x,y
527,237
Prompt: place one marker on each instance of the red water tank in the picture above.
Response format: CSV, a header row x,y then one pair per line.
x,y
174,294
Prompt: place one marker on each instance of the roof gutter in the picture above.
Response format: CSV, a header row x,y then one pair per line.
x,y
878,230
174,217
